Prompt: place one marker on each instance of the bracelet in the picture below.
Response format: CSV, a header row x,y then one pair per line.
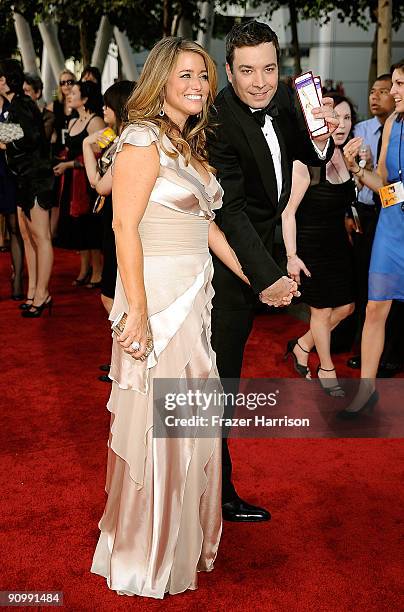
x,y
291,256
77,165
357,172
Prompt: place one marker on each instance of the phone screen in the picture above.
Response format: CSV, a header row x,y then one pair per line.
x,y
317,82
308,97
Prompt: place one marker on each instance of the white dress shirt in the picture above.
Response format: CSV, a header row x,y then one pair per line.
x,y
273,145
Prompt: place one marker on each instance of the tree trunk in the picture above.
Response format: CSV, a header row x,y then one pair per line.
x,y
295,37
25,44
373,60
50,39
207,18
167,18
384,36
85,52
129,68
102,41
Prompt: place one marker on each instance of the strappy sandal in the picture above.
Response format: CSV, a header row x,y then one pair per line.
x,y
302,370
331,389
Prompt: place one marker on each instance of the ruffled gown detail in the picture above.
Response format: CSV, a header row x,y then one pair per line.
x,y
162,520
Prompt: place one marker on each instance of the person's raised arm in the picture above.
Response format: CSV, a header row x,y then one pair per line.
x,y
300,183
130,200
372,179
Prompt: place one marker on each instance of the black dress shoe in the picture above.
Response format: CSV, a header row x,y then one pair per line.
x,y
240,511
354,362
105,378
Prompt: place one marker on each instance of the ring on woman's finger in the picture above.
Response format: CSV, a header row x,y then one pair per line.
x,y
135,345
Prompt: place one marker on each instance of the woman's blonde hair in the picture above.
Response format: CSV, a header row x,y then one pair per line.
x,y
59,89
146,102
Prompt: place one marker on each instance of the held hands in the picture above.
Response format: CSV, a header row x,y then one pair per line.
x,y
134,334
326,112
295,266
280,293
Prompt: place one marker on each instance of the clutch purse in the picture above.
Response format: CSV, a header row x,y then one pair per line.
x,y
118,325
10,132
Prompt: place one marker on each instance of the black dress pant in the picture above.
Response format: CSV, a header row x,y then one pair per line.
x,y
230,331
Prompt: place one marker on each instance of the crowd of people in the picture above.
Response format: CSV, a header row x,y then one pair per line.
x,y
172,195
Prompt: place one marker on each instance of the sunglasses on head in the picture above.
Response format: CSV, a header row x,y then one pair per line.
x,y
67,82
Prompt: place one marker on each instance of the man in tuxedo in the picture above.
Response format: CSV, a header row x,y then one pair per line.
x,y
258,134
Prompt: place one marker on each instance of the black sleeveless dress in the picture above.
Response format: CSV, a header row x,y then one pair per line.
x,y
84,232
322,242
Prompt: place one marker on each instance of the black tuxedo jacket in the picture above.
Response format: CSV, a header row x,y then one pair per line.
x,y
239,152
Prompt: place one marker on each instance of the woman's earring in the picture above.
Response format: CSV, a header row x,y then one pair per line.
x,y
161,113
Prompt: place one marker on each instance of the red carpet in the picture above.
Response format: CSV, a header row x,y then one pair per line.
x,y
337,505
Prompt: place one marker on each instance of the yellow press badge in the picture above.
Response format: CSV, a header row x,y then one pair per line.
x,y
392,194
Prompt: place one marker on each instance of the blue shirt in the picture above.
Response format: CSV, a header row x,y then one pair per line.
x,y
370,132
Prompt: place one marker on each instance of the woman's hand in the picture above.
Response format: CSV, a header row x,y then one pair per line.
x,y
135,334
3,146
294,266
351,151
61,168
96,137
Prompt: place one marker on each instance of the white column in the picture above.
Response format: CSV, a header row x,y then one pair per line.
x,y
48,31
102,41
129,68
25,44
49,81
325,67
384,15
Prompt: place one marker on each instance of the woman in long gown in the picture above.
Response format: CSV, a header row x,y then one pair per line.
x,y
318,250
162,521
386,272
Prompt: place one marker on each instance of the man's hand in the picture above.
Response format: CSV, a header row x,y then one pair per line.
x,y
3,146
326,112
350,227
280,293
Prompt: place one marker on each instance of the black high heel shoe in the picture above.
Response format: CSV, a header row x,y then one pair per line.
x,y
80,282
301,369
368,406
26,306
331,390
36,311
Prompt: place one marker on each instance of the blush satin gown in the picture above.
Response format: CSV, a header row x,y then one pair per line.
x,y
162,520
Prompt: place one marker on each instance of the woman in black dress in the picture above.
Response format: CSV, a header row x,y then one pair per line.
x,y
100,177
28,159
317,245
62,113
8,208
79,229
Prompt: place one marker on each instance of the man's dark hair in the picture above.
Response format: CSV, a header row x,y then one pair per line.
x,y
383,77
35,82
12,70
116,98
249,34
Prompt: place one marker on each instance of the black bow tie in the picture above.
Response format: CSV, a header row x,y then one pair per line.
x,y
271,110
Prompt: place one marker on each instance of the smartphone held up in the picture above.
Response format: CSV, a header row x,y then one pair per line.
x,y
308,89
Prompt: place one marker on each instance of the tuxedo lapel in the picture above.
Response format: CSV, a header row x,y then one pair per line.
x,y
257,143
286,179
